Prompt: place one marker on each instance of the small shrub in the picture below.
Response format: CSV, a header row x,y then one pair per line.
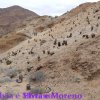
x,y
38,76
5,80
40,90
42,42
12,72
35,34
36,90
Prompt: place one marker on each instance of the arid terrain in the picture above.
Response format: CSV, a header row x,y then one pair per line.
x,y
59,54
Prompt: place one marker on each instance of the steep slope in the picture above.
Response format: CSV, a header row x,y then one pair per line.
x,y
15,20
30,28
68,54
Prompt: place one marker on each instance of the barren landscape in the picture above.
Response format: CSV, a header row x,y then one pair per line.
x,y
44,54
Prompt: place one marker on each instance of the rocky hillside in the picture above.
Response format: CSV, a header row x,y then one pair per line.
x,y
18,24
12,17
63,58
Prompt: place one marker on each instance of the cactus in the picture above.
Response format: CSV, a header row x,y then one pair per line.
x,y
28,87
92,35
59,44
55,42
91,28
39,58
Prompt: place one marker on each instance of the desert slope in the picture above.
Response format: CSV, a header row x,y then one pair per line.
x,y
68,54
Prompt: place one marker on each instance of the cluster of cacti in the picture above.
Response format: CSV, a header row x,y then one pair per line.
x,y
85,36
31,51
69,35
58,43
51,35
50,53
87,19
64,42
14,53
42,42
